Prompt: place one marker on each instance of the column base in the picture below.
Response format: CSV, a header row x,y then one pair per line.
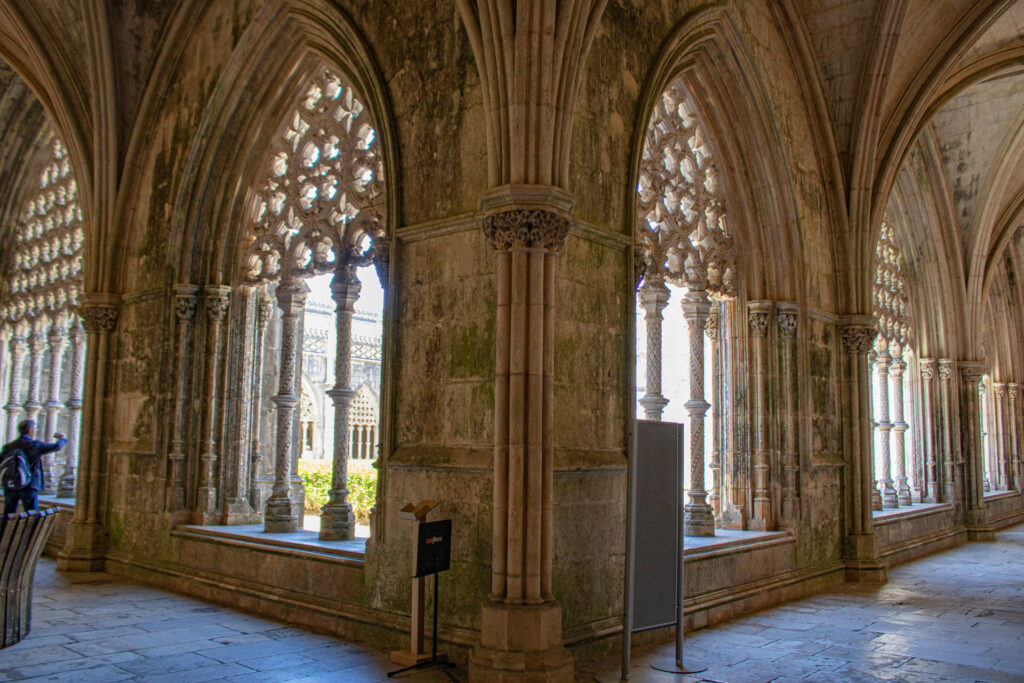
x,y
85,548
239,512
282,516
337,523
978,528
66,487
903,494
698,520
863,564
521,643
732,517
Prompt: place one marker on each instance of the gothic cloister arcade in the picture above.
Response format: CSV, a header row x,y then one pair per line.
x,y
797,227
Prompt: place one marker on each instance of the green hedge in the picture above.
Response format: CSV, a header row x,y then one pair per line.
x,y
362,488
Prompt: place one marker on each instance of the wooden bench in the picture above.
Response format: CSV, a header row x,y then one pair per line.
x,y
22,538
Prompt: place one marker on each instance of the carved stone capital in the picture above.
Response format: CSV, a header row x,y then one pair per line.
x,y
858,336
758,321
927,369
185,298
896,369
787,323
382,259
640,273
526,228
1000,390
217,302
971,373
1013,390
97,317
945,369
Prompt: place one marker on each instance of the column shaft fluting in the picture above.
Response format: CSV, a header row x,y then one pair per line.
x,y
930,447
185,300
264,314
207,493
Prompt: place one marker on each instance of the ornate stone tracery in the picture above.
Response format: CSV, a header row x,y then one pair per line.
x,y
320,210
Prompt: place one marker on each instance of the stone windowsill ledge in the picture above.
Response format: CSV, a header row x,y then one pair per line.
x,y
908,511
297,544
729,541
1001,494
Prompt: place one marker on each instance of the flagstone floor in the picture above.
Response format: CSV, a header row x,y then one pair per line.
x,y
955,616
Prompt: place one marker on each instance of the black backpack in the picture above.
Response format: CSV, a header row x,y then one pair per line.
x,y
14,471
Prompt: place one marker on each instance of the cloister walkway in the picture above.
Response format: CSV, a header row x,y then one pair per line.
x,y
954,616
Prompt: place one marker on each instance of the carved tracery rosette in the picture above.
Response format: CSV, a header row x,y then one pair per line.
x,y
681,225
321,205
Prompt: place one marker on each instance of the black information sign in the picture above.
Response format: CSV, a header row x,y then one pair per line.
x,y
434,548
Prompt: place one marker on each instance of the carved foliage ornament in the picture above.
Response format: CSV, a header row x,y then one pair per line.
x,y
185,306
681,224
858,338
787,324
98,318
321,205
526,228
43,274
758,321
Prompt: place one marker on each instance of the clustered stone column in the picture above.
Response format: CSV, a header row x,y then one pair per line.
x,y
58,343
282,513
711,329
264,313
217,300
1013,391
1002,438
13,407
654,297
931,492
337,521
899,426
986,449
787,318
86,544
757,318
883,426
521,617
698,518
950,482
862,560
66,487
971,374
185,300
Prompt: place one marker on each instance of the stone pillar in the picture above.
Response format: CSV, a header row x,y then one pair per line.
x,y
884,426
986,443
971,373
33,404
217,301
698,518
876,493
653,297
58,343
757,318
521,627
899,426
264,313
930,446
66,487
1013,392
948,464
787,318
86,539
282,513
1002,438
13,407
5,360
337,521
861,556
185,300
711,330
